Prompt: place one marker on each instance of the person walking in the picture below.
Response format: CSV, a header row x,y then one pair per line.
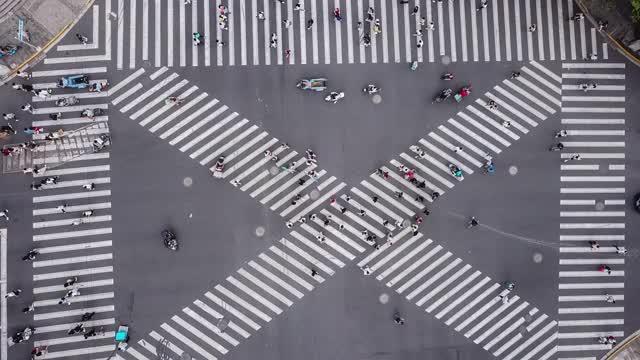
x,y
620,250
9,116
398,319
603,268
4,213
573,157
83,39
608,298
473,222
309,24
14,293
483,5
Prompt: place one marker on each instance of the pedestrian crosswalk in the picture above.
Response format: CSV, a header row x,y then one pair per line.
x,y
593,209
334,227
72,230
240,33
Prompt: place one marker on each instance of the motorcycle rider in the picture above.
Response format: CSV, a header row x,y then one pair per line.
x,y
447,76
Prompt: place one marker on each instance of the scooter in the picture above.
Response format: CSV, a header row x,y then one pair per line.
x,y
456,172
444,95
334,97
371,89
447,76
219,167
67,101
8,50
170,240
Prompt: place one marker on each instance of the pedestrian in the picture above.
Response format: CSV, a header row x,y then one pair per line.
x,y
435,195
420,199
423,21
17,86
187,2
76,222
419,43
309,24
343,210
414,229
62,208
196,38
320,236
274,40
573,157
27,107
418,219
492,104
24,74
375,199
594,245
431,26
577,17
287,23
336,14
483,4
298,7
457,149
366,270
418,33
593,56
10,116
4,213
40,351
261,15
90,333
506,124
83,39
29,309
515,74
602,26
603,268
416,10
404,2
87,316
314,272
89,186
363,212
473,222
36,186
396,317
504,298
70,281
80,327
14,293
620,250
289,224
608,298
532,28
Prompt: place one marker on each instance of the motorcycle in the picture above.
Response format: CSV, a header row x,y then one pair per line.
x,y
8,50
444,95
219,167
170,240
67,101
334,97
99,86
22,336
456,172
447,76
101,142
371,89
91,113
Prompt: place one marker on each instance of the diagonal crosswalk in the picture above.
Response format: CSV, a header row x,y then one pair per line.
x,y
592,203
460,33
336,225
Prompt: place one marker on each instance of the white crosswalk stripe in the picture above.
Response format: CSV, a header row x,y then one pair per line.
x,y
592,231
458,29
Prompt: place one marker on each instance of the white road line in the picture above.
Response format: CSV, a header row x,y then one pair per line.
x,y
385,36
583,39
207,34
219,36
407,33
267,33
259,283
594,46
350,57
3,293
204,322
314,30
440,28
561,34
232,49
254,32
303,38
276,279
552,45
485,33
76,71
519,29
173,332
474,29
396,31
243,31
293,276
507,29
496,29
71,234
199,334
278,25
471,304
528,23
539,34
132,33
228,307
158,33
120,19
218,316
183,35
325,28
361,32
75,272
145,30
338,26
194,29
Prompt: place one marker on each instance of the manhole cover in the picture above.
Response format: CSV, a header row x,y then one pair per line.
x,y
376,99
314,194
513,170
187,182
599,205
446,60
383,298
260,231
274,170
537,258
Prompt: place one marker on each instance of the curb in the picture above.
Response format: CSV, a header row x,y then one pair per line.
x,y
610,40
39,55
612,354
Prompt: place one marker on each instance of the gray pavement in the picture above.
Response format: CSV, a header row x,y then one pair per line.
x,y
238,261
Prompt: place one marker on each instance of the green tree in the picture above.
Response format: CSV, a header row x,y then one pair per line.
x,y
635,4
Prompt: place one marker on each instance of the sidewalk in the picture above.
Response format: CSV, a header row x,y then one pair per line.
x,y
628,350
44,22
621,33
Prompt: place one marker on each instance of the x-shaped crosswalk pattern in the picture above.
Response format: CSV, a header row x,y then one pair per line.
x,y
367,224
